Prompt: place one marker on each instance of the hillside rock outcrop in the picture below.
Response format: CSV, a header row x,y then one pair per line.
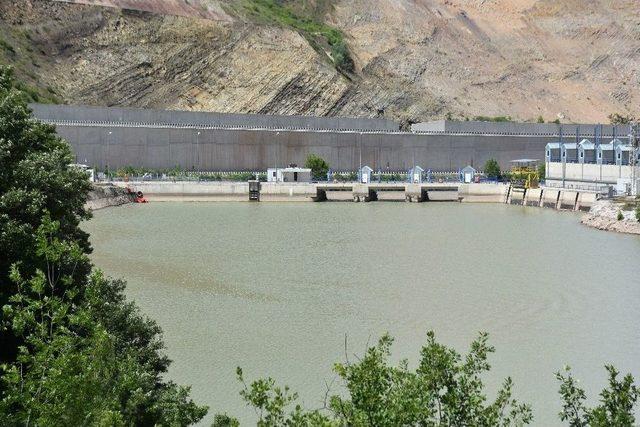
x,y
414,59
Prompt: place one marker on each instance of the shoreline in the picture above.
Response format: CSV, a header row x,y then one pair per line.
x,y
603,216
598,214
106,196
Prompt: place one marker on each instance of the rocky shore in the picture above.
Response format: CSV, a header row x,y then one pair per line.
x,y
604,216
104,196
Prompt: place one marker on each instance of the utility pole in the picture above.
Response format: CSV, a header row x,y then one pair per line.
x,y
360,160
198,151
107,160
277,153
633,161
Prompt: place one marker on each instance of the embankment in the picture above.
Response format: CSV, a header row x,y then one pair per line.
x,y
106,195
604,216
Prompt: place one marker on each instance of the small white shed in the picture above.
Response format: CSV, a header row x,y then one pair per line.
x,y
467,174
415,175
365,175
290,174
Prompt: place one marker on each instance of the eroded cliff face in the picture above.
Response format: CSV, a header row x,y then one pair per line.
x,y
415,59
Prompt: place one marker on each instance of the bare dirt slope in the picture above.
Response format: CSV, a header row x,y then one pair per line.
x,y
414,59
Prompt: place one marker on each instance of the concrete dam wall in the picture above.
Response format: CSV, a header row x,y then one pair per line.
x,y
116,137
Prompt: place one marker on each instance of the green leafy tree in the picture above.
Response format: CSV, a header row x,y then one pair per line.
x,y
617,401
74,351
445,389
492,169
35,178
540,119
319,167
542,171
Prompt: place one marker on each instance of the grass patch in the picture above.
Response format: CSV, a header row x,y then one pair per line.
x,y
498,119
321,36
5,46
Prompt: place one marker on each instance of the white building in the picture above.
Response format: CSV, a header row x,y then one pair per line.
x,y
598,166
290,174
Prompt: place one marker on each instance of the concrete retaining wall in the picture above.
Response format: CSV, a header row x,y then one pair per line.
x,y
587,172
220,191
568,200
118,137
483,193
586,201
533,197
550,198
242,149
568,131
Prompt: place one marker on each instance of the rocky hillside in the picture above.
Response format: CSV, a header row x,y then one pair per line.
x,y
412,59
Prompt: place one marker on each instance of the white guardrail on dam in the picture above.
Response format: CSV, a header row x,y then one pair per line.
x,y
288,129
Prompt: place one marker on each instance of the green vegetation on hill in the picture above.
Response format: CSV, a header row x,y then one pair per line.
x,y
493,119
306,20
16,50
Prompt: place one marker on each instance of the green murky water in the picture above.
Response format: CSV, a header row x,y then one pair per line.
x,y
275,288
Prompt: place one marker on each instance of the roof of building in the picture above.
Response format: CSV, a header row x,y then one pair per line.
x,y
624,147
291,169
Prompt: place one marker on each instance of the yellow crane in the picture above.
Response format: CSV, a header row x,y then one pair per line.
x,y
524,173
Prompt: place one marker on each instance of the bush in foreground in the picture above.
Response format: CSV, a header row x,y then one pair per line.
x,y
445,389
73,351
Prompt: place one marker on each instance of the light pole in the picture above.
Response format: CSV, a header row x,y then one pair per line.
x,y
360,159
277,154
107,157
198,151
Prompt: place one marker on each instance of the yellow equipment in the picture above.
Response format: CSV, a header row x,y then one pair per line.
x,y
524,173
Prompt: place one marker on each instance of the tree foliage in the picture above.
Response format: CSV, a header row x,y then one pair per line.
x,y
617,401
35,179
492,169
445,389
74,351
319,167
542,171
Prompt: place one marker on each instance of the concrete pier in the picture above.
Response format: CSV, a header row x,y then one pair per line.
x,y
412,192
533,197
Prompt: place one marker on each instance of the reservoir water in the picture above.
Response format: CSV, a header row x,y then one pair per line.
x,y
275,288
